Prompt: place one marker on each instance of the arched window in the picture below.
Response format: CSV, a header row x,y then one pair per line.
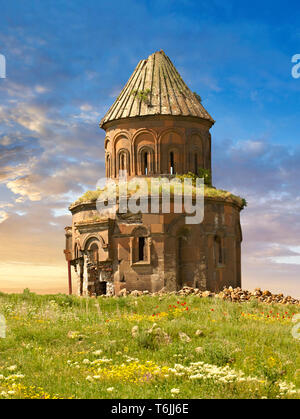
x,y
145,166
94,253
123,162
172,163
146,161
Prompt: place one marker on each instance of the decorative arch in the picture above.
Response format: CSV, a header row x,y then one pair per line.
x,y
174,163
145,160
106,143
196,152
121,141
108,165
123,161
170,131
140,231
122,134
94,252
171,226
171,151
177,226
88,241
144,138
142,131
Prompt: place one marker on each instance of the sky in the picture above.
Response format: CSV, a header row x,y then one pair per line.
x,y
67,61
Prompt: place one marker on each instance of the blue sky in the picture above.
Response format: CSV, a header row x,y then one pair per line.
x,y
66,63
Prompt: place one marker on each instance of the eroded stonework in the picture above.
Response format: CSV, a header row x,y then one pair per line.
x,y
163,131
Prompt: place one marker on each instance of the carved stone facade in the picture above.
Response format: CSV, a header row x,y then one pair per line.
x,y
163,134
160,146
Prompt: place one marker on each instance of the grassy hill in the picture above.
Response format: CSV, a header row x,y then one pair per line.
x,y
147,347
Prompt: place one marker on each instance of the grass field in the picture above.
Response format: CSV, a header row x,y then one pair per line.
x,y
147,347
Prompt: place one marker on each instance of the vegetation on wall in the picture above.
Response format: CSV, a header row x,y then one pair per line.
x,y
209,190
202,173
142,95
198,97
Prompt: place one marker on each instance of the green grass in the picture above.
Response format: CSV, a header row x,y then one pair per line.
x,y
209,192
49,337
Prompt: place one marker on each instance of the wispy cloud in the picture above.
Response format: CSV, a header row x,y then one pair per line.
x,y
61,78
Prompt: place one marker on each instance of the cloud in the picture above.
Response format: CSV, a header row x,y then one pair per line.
x,y
266,174
3,216
61,80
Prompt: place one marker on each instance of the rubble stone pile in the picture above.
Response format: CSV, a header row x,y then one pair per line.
x,y
236,295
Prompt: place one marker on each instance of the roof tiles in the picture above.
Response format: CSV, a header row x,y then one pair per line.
x,y
155,88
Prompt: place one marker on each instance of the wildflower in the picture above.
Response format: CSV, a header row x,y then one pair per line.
x,y
89,378
184,337
73,334
12,368
175,391
135,331
86,361
98,352
110,389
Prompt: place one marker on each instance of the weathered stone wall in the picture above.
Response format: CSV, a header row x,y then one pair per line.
x,y
176,254
186,137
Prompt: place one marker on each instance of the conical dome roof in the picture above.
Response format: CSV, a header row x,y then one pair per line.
x,y
155,88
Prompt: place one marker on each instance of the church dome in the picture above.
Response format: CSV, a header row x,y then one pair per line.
x,y
156,88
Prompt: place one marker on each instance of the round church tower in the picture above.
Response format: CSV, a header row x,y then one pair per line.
x,y
157,127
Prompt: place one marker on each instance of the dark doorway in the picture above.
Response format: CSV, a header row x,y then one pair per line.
x,y
102,288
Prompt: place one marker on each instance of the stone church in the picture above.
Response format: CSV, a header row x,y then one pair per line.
x,y
157,127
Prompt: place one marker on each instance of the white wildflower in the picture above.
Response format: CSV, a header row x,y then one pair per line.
x,y
12,368
98,352
175,391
